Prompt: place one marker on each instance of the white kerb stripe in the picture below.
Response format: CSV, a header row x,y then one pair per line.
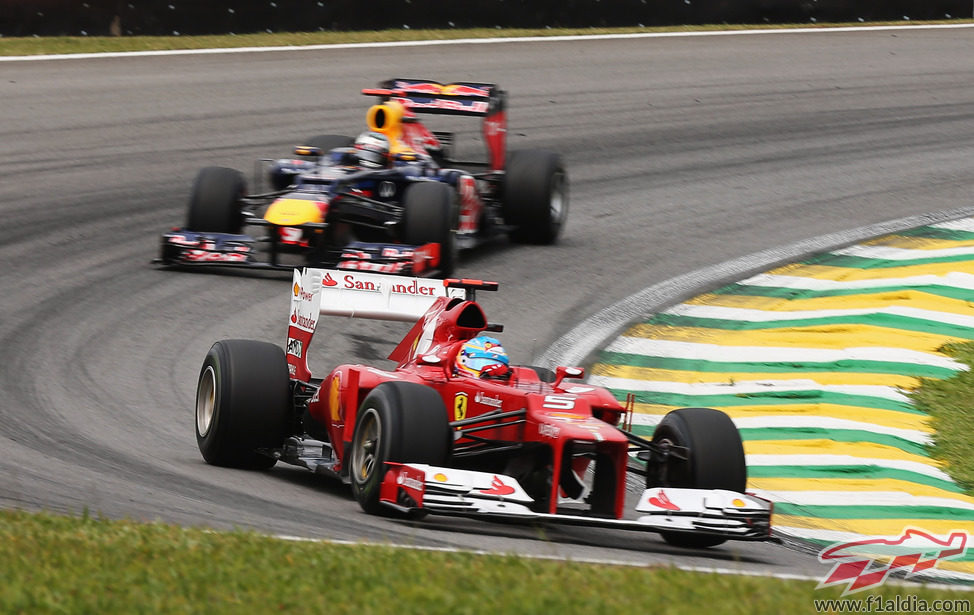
x,y
888,253
719,312
770,354
954,279
847,460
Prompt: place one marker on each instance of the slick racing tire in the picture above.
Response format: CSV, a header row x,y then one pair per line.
x,y
214,205
535,196
430,217
398,422
243,404
715,460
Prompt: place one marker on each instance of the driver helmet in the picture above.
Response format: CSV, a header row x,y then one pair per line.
x,y
480,357
372,150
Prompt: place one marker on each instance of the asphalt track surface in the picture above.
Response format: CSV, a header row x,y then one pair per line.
x,y
683,153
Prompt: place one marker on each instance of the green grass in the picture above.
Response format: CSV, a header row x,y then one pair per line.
x,y
949,402
17,46
60,564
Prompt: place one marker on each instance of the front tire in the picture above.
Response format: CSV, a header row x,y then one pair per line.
x,y
715,460
214,205
430,217
243,404
398,422
535,196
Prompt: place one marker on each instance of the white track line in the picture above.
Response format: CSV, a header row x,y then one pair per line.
x,y
475,41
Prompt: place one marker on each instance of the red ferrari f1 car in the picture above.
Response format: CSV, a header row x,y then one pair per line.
x,y
456,429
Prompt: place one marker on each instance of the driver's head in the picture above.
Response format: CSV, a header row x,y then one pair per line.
x,y
372,150
482,357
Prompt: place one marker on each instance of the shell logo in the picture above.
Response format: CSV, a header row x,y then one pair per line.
x,y
439,477
738,502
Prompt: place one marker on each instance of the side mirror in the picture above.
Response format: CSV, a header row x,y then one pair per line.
x,y
308,152
567,372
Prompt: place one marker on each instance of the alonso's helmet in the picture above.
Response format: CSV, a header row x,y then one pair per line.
x,y
482,356
372,150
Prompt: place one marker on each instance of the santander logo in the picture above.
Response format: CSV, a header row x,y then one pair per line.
x,y
661,500
328,280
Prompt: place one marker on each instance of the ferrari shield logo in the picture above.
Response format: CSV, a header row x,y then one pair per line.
x,y
460,407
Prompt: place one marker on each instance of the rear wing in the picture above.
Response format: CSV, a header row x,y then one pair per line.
x,y
356,294
424,96
467,98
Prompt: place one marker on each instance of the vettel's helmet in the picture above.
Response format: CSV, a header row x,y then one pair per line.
x,y
481,357
372,150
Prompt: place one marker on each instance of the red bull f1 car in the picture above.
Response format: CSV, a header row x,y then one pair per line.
x,y
456,429
408,209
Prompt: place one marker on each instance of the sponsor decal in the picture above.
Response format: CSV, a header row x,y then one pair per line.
x,y
661,500
328,280
549,431
201,256
460,407
303,322
409,482
738,502
470,205
487,400
291,235
359,265
568,417
440,477
865,564
497,487
493,127
464,90
294,347
386,189
416,287
335,397
352,284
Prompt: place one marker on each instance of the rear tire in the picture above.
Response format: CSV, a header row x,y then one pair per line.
x,y
430,217
214,205
398,422
535,196
715,460
243,403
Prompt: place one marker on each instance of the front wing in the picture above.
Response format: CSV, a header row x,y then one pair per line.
x,y
192,249
448,491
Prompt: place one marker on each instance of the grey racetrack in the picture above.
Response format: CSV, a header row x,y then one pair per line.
x,y
682,153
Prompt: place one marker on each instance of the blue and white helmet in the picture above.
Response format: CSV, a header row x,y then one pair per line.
x,y
482,356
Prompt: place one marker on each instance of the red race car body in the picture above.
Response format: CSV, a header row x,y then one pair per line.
x,y
425,437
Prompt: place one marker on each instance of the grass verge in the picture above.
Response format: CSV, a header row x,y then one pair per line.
x,y
60,564
24,46
949,403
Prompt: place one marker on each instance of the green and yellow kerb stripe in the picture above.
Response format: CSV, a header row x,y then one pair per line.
x,y
814,361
